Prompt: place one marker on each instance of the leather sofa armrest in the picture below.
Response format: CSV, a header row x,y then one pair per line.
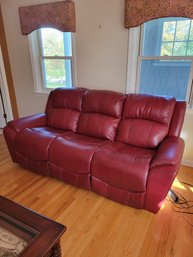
x,y
37,120
169,152
163,170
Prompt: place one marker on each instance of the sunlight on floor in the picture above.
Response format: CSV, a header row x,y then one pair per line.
x,y
179,185
162,207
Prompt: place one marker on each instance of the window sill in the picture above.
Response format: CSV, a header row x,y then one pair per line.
x,y
43,93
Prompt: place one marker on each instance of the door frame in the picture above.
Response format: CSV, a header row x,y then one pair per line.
x,y
4,89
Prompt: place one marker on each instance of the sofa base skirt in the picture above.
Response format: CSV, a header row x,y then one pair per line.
x,y
72,178
40,167
133,199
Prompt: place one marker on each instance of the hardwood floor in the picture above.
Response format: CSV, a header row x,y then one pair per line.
x,y
97,227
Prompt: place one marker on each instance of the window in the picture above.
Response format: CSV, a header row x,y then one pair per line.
x,y
177,38
51,54
161,55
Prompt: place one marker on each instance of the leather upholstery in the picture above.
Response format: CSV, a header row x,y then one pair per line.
x,y
122,166
169,153
177,119
133,199
101,114
32,147
75,160
15,126
35,145
77,152
63,109
29,122
124,147
163,170
146,120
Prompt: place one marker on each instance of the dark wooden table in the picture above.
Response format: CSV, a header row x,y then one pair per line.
x,y
38,235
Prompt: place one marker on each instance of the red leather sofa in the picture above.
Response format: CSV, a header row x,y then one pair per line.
x,y
124,147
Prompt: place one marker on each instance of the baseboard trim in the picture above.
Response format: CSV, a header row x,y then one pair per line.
x,y
188,163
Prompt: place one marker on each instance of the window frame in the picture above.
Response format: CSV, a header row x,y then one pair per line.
x,y
36,50
135,57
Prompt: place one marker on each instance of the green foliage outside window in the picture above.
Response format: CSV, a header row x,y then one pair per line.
x,y
177,38
53,46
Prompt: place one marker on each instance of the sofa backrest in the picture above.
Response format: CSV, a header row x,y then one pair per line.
x,y
177,119
146,120
101,113
64,107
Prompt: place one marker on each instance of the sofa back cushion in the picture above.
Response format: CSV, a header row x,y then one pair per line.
x,y
64,107
101,113
146,120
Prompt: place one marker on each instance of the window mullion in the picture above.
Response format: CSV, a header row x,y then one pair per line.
x,y
174,38
188,37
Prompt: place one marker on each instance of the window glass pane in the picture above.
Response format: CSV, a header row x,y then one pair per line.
x,y
166,49
67,44
165,77
180,48
57,73
168,31
190,49
182,30
151,46
52,42
167,37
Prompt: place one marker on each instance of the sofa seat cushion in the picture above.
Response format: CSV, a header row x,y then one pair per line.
x,y
122,166
74,152
51,131
34,143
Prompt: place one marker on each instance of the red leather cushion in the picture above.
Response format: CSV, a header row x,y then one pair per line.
x,y
70,98
74,153
105,102
51,131
63,119
63,108
122,166
101,113
34,143
98,125
146,120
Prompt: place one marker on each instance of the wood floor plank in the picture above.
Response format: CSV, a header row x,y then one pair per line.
x,y
98,227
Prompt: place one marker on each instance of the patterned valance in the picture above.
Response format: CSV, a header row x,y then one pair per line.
x,y
58,15
139,11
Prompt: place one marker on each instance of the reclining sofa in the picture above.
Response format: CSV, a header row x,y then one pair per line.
x,y
124,147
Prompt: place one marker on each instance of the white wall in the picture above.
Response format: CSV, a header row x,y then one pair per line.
x,y
101,54
101,44
187,134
